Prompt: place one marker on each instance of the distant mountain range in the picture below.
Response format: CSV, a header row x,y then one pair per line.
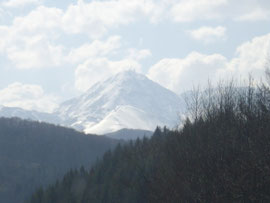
x,y
127,100
9,112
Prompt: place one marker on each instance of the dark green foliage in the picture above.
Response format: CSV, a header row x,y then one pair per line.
x,y
220,155
35,154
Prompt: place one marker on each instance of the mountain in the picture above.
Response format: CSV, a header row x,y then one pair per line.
x,y
222,156
34,154
9,112
126,100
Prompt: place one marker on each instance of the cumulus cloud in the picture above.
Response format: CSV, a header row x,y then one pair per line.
x,y
27,96
35,52
27,43
208,34
251,57
179,74
42,19
108,47
95,49
94,18
36,35
95,70
30,41
18,3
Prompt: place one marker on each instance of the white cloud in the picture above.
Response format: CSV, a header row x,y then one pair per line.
x,y
101,49
27,43
42,19
35,35
209,34
195,69
19,3
187,11
31,41
95,49
251,57
94,18
27,96
95,70
181,74
35,52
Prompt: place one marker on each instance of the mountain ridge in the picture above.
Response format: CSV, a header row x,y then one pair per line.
x,y
127,100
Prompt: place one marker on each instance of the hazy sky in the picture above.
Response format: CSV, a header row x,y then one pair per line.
x,y
53,50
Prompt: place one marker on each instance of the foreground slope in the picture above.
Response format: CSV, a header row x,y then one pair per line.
x,y
34,154
126,100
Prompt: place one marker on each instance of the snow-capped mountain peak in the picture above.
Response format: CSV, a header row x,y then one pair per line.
x,y
126,100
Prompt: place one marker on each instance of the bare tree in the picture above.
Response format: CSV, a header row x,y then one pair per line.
x,y
193,103
267,70
267,74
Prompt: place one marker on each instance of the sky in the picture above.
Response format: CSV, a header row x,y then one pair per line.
x,y
51,51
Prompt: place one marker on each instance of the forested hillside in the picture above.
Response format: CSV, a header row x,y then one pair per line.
x,y
220,154
34,154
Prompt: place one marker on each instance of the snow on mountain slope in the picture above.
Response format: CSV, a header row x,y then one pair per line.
x,y
126,100
124,117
